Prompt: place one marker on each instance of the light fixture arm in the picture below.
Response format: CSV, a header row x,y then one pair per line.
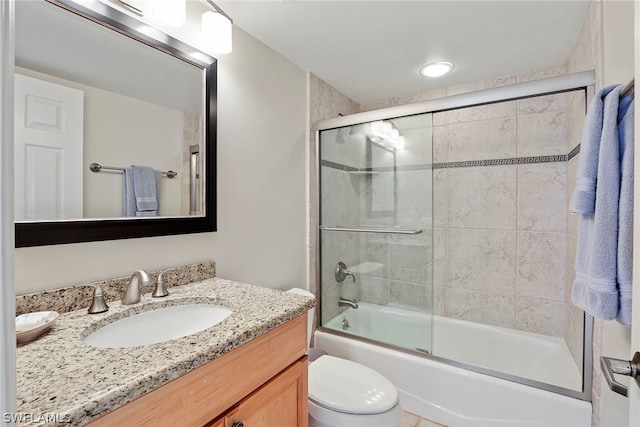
x,y
219,10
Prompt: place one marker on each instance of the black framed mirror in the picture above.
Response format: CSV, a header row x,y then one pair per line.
x,y
52,229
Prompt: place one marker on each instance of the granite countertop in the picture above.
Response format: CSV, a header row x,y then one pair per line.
x,y
63,382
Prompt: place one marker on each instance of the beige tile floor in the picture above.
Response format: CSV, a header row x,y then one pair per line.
x,y
411,420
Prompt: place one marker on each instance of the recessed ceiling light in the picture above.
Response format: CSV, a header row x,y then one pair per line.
x,y
436,69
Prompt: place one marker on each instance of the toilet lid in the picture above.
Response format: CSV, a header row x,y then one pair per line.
x,y
346,386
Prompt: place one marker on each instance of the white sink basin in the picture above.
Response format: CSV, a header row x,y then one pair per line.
x,y
159,325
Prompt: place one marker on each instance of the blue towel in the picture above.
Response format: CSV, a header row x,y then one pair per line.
x,y
141,193
128,195
600,257
625,216
144,187
584,197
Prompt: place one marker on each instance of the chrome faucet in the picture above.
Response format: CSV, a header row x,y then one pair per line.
x,y
346,302
132,294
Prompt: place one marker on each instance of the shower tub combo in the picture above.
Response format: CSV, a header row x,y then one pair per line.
x,y
376,196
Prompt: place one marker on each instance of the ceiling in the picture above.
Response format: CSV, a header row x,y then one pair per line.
x,y
373,49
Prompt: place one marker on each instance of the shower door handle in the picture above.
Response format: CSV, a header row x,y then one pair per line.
x,y
611,366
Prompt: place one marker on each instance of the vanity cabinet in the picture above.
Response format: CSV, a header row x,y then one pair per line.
x,y
277,403
261,383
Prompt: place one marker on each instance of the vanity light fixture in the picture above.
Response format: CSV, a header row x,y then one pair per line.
x,y
217,30
436,69
171,12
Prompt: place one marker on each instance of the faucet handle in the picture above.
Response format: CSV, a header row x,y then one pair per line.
x,y
98,305
160,290
342,272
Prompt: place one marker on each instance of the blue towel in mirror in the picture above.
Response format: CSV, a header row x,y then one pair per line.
x,y
141,193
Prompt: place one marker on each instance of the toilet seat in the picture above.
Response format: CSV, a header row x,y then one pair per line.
x,y
349,387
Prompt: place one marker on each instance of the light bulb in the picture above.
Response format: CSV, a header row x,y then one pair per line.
x,y
436,69
217,32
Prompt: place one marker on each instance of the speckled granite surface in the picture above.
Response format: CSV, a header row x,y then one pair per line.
x,y
77,297
63,379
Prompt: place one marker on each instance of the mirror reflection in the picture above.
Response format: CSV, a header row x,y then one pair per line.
x,y
86,94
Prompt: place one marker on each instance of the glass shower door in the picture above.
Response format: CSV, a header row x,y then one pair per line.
x,y
376,239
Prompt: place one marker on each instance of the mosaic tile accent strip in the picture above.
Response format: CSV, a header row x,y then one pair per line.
x,y
79,296
338,166
573,152
462,164
502,162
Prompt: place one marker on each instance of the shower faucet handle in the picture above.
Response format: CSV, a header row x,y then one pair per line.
x,y
342,272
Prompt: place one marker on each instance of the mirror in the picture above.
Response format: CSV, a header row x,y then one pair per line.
x,y
98,93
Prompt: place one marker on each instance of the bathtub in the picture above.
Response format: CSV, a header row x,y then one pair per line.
x,y
452,395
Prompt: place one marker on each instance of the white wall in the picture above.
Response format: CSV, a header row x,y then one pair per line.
x,y
261,190
145,134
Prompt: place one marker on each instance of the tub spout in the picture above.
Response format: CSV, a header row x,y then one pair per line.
x,y
346,302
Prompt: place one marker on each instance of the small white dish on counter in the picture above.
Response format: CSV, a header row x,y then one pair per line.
x,y
30,326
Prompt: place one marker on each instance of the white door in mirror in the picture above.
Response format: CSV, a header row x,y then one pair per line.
x,y
160,325
49,123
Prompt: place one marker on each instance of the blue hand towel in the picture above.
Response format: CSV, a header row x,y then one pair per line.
x,y
144,187
141,193
584,197
601,257
625,216
128,195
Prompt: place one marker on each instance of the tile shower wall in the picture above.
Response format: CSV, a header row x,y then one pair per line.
x,y
339,196
400,267
366,185
500,228
324,102
494,224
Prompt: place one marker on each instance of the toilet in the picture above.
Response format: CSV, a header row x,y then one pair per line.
x,y
343,393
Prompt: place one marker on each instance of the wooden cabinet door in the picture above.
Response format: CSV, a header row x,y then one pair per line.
x,y
281,402
216,423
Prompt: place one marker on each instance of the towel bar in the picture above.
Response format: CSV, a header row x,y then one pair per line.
x,y
97,167
390,230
